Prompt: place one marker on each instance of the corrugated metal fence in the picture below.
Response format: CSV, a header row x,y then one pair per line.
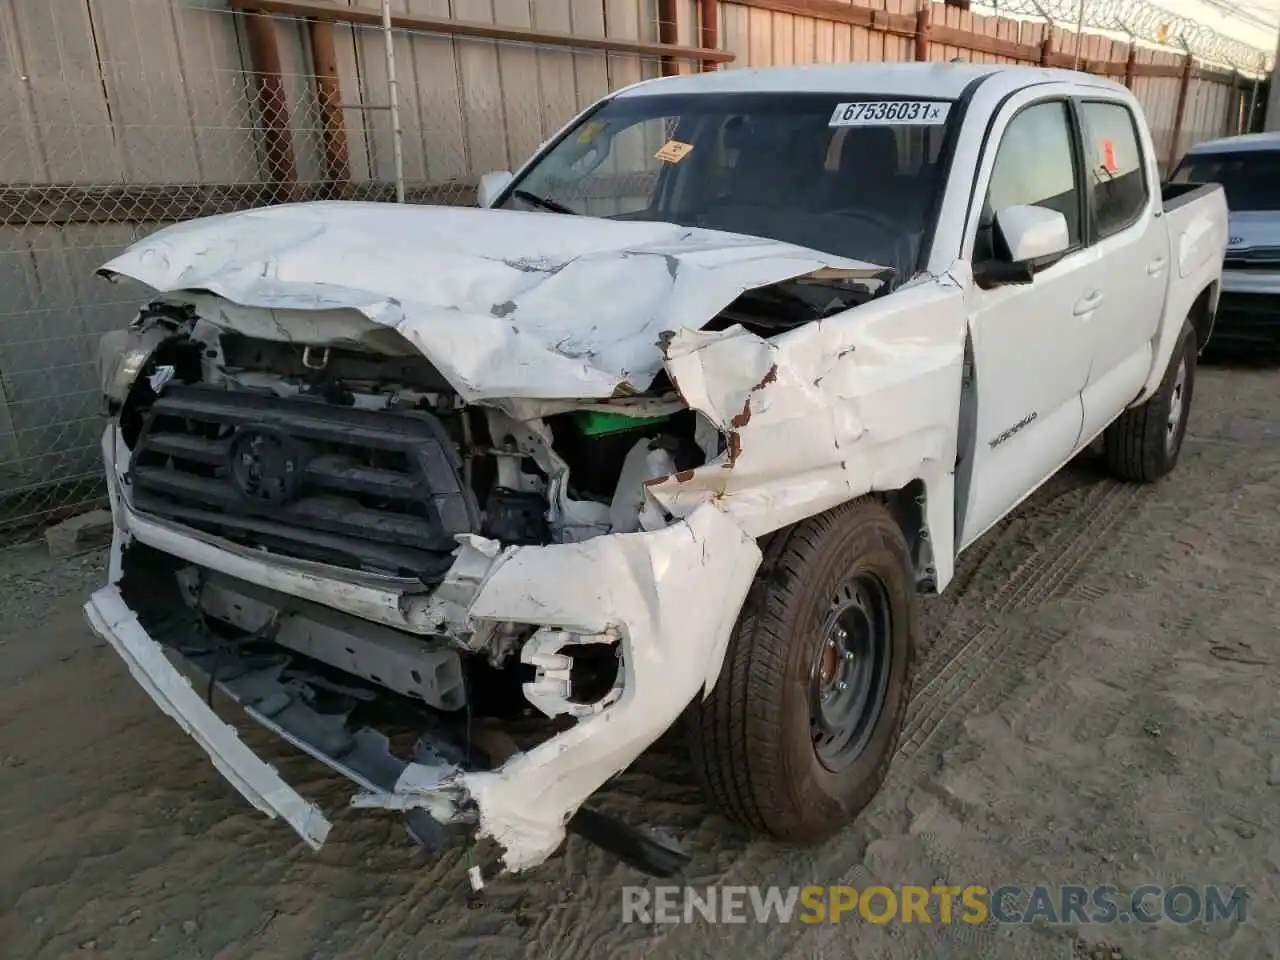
x,y
119,116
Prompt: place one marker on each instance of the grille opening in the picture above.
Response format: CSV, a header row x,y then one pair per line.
x,y
371,489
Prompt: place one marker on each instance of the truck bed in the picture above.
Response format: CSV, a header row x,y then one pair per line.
x,y
1177,195
1196,218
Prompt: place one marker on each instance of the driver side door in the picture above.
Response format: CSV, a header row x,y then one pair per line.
x,y
1030,358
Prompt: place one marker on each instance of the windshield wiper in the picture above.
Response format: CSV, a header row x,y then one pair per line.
x,y
544,202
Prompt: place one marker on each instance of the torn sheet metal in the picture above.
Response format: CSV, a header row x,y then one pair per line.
x,y
814,417
506,304
651,590
111,618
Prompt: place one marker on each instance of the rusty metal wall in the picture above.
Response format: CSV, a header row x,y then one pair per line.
x,y
119,116
767,38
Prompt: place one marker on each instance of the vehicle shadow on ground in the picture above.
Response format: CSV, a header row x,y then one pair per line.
x,y
1227,360
662,781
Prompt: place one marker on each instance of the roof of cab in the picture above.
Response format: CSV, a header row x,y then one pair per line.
x,y
945,81
1243,143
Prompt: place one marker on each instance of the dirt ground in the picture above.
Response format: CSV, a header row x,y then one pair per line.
x,y
1098,705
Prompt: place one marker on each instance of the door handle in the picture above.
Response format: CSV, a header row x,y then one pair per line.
x,y
1086,305
1156,267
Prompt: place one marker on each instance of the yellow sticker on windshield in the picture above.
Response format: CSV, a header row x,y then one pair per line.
x,y
673,151
591,133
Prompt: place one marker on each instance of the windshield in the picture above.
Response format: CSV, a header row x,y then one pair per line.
x,y
858,182
1250,179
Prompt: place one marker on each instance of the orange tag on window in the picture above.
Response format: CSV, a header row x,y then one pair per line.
x,y
673,151
1109,156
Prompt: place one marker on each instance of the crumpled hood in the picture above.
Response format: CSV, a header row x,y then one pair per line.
x,y
506,304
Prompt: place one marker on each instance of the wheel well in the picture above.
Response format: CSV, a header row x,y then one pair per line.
x,y
1201,314
907,507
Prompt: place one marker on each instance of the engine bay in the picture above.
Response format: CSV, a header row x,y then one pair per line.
x,y
373,461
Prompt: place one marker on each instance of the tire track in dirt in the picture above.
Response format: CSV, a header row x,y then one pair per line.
x,y
989,664
983,643
1001,639
979,567
976,570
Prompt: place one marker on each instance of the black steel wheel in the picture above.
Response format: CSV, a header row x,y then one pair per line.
x,y
850,672
1143,444
796,735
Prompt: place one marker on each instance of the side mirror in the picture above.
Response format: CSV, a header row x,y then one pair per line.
x,y
1032,233
1032,237
492,184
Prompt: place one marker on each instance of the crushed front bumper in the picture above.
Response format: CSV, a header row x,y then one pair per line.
x,y
671,595
113,620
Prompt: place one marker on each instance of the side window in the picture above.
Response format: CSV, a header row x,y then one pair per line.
x,y
1035,164
1115,166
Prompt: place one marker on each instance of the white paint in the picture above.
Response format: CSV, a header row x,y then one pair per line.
x,y
490,186
551,687
521,312
1197,237
653,590
862,401
111,618
993,104
1032,232
1091,318
506,304
927,80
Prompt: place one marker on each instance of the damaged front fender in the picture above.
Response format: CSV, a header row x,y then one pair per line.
x,y
651,589
648,589
860,402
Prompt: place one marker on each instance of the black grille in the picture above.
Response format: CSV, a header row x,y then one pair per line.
x,y
360,488
1259,258
1247,319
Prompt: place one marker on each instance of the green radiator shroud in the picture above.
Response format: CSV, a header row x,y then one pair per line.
x,y
595,423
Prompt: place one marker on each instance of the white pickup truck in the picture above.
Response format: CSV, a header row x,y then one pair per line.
x,y
681,422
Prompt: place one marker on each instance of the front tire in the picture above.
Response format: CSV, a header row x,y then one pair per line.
x,y
797,734
1144,442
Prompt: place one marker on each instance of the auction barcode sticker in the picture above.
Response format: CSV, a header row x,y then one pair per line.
x,y
880,112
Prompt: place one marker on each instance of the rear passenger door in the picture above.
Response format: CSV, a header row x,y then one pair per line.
x,y
1131,239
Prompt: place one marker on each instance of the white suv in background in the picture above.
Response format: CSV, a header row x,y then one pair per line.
x,y
1248,167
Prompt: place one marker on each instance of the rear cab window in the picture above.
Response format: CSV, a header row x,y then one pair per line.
x,y
1113,160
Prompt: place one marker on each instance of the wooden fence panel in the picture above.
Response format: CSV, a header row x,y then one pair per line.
x,y
119,116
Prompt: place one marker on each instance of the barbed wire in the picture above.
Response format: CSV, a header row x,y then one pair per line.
x,y
1145,21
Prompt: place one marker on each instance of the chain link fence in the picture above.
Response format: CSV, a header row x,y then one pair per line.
x,y
118,117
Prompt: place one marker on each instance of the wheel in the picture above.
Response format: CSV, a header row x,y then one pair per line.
x,y
1143,444
797,734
